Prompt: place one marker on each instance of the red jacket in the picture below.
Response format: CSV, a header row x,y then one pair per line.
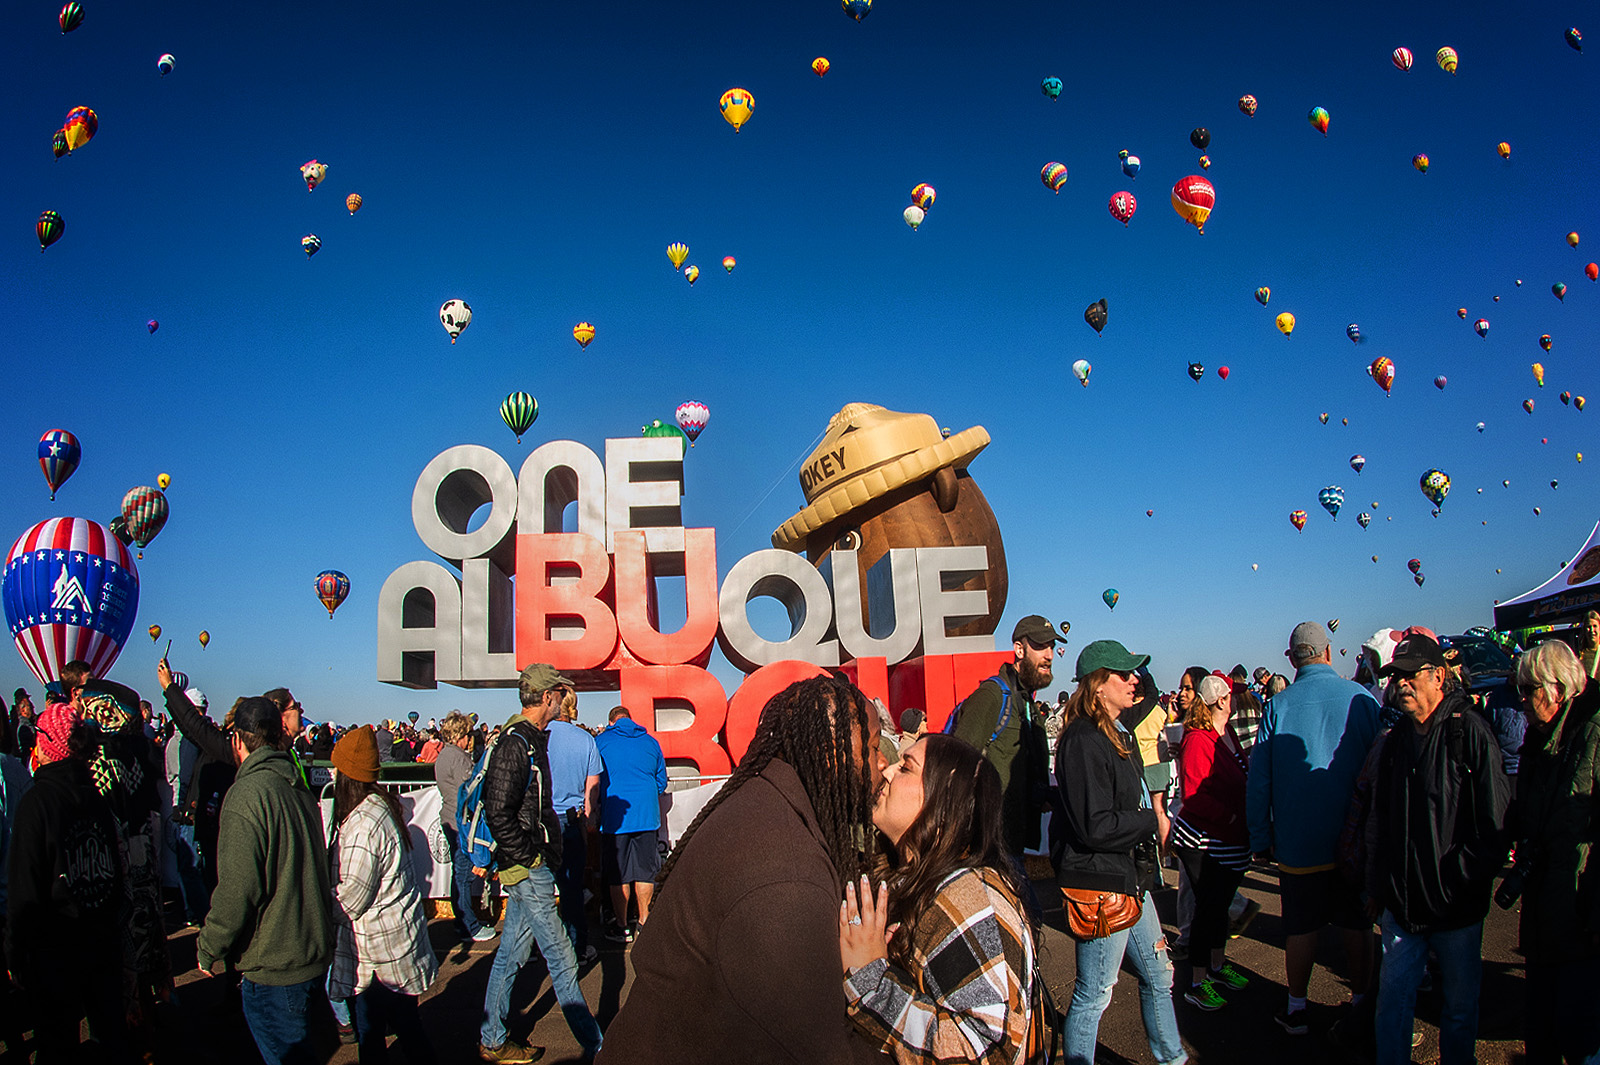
x,y
1213,786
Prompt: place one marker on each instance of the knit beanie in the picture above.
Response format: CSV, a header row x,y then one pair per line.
x,y
356,755
54,727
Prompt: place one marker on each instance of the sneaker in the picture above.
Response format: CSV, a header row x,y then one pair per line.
x,y
617,934
484,934
511,1052
1228,975
589,955
1251,909
1416,1037
1293,1023
347,1034
1204,996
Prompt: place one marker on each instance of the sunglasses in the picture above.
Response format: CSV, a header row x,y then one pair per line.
x,y
1528,691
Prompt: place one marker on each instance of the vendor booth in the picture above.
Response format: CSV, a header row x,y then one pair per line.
x,y
1561,600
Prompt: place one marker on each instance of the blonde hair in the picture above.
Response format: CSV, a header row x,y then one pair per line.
x,y
1552,664
1085,702
569,706
454,726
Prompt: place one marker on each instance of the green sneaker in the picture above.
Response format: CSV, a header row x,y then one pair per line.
x,y
1205,996
1235,980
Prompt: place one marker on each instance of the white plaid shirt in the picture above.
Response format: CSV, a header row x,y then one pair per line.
x,y
382,933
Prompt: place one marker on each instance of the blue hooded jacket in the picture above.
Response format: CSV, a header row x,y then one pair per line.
x,y
635,776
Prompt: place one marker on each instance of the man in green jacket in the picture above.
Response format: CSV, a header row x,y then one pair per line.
x,y
1009,730
270,916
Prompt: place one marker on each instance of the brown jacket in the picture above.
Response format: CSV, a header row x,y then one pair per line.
x,y
740,959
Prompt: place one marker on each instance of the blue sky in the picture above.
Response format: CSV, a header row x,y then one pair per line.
x,y
536,161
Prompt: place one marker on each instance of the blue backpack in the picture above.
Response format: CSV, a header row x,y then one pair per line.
x,y
472,827
1005,712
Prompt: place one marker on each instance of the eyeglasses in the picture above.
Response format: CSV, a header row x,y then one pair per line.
x,y
1404,675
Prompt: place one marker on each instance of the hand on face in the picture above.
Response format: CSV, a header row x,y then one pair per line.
x,y
863,935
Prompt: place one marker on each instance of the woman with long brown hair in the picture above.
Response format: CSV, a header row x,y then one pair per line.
x,y
1104,849
939,962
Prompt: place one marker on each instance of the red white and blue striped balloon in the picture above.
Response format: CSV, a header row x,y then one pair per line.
x,y
692,418
59,455
71,591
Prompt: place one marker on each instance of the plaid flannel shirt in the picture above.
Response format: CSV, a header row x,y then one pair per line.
x,y
382,933
968,1001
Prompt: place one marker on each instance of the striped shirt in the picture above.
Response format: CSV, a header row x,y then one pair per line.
x,y
968,1000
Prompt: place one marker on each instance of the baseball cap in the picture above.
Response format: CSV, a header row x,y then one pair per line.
x,y
1262,674
198,698
1308,640
1035,629
1213,688
541,676
1413,653
1107,654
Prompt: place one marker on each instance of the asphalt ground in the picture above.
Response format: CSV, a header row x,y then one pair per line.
x,y
205,1025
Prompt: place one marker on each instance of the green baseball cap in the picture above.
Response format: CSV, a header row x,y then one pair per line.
x,y
541,677
1108,654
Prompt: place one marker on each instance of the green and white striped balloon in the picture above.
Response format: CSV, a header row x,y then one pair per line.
x,y
519,411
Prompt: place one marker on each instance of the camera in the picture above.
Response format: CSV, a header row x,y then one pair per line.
x,y
1511,888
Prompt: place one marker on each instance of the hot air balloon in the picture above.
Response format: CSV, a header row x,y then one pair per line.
x,y
1446,58
58,143
1333,624
1247,105
1095,315
1196,371
1402,58
729,262
677,253
1223,372
737,107
80,127
1122,206
1331,498
163,481
1064,627
820,65
583,332
856,9
1363,519
1420,579
205,639
1560,291
59,455
1504,149
1111,595
352,202
1193,198
313,172
914,216
1553,484
692,418
152,325
1415,565
1297,518
1319,120
1479,427
923,196
1545,342
119,529
1051,87
1205,162
1054,175
1080,370
1130,163
1578,401
1323,417
1592,271
691,273
519,411
1200,137
311,244
1357,462
1574,38
1353,331
413,716
166,64
1440,381
1461,313
1538,373
155,633
1420,161
145,510
71,18
1481,327
1382,371
659,428
455,316
1565,397
1572,238
1263,294
1527,405
71,591
332,587
1285,323
1435,485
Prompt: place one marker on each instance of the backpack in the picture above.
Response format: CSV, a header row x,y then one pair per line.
x,y
472,828
1005,713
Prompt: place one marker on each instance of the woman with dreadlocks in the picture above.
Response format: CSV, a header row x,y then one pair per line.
x,y
955,978
745,926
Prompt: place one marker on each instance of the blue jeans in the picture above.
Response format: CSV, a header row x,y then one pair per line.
x,y
467,885
280,1019
1405,956
196,899
531,917
574,861
1098,963
379,1010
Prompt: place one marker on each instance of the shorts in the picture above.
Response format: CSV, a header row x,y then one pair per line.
x,y
1314,900
631,857
1158,777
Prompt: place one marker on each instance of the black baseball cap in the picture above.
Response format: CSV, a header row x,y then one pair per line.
x,y
1415,652
1035,630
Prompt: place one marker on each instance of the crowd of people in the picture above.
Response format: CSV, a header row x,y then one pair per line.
x,y
851,867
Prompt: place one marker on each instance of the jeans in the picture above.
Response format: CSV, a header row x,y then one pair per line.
x,y
1405,956
467,885
196,899
1561,1017
574,862
380,1010
531,917
1098,963
1213,887
280,1019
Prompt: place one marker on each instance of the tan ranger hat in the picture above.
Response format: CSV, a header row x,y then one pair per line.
x,y
867,453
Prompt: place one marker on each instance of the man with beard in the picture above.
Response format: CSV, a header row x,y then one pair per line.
x,y
1001,720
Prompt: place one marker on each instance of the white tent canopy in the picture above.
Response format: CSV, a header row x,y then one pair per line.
x,y
1566,597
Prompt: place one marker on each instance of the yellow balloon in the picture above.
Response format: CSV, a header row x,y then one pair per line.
x,y
205,637
737,107
164,480
1538,373
677,253
1286,323
155,633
